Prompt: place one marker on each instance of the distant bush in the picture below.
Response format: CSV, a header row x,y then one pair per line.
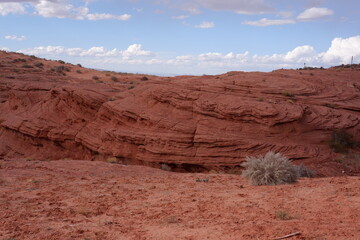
x,y
78,71
271,169
115,79
287,94
165,167
61,61
39,65
131,87
95,77
19,60
283,215
60,69
304,171
144,78
112,160
341,141
330,105
79,65
27,66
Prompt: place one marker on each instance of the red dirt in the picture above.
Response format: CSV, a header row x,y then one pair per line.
x,y
98,200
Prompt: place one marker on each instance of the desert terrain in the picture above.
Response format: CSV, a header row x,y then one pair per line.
x,y
89,154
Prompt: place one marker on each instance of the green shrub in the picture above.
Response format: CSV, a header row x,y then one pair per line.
x,y
61,61
95,77
115,79
271,169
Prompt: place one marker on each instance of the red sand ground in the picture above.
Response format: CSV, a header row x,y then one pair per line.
x,y
97,200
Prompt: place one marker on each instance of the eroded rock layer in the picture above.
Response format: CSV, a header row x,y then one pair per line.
x,y
56,111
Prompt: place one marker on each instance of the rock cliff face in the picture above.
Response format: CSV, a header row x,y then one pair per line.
x,y
187,122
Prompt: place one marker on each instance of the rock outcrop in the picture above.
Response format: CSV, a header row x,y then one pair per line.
x,y
187,122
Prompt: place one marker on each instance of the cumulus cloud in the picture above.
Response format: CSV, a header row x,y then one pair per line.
x,y
205,25
315,13
134,50
340,51
11,8
57,9
310,14
14,37
264,22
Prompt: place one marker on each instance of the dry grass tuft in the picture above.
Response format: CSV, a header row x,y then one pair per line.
x,y
271,169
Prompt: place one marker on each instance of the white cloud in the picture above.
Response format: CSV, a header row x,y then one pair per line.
x,y
299,54
134,50
341,50
315,13
308,15
11,8
58,9
105,16
13,37
205,25
264,22
181,17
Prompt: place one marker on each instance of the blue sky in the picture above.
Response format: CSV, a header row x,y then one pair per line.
x,y
184,37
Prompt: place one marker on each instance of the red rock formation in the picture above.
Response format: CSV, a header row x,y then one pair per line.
x,y
210,122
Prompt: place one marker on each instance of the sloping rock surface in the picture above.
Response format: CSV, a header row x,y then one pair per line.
x,y
54,110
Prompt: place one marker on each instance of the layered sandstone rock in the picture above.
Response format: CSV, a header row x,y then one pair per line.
x,y
207,122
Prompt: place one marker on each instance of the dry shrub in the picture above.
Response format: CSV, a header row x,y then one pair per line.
x,y
271,169
165,167
283,215
112,160
115,79
304,171
341,141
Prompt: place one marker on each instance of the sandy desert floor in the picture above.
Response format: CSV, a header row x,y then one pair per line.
x,y
97,200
